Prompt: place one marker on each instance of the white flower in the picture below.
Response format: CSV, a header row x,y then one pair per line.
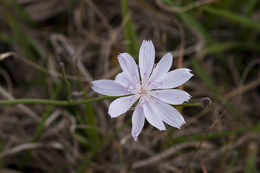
x,y
151,87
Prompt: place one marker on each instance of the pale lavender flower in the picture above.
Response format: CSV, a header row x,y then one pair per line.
x,y
152,88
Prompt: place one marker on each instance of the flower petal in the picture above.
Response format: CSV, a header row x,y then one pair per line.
x,y
138,119
162,67
109,88
129,66
171,96
168,114
175,78
121,105
123,79
152,117
146,59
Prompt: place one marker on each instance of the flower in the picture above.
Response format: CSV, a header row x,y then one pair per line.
x,y
152,88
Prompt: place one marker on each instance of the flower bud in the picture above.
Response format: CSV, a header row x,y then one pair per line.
x,y
205,101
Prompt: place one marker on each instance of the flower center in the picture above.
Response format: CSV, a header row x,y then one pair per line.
x,y
142,91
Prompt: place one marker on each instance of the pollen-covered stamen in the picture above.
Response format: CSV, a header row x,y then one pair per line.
x,y
143,90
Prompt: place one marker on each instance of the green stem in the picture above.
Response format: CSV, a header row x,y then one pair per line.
x,y
189,105
66,82
53,102
72,103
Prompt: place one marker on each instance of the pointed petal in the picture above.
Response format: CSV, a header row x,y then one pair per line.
x,y
146,59
109,88
138,120
162,67
175,78
168,114
129,66
171,96
123,79
152,117
121,105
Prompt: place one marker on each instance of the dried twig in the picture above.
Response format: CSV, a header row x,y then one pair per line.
x,y
184,8
165,154
23,147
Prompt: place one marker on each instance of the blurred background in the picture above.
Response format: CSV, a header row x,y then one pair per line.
x,y
218,39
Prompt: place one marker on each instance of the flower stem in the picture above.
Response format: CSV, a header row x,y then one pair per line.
x,y
53,102
71,103
189,105
66,81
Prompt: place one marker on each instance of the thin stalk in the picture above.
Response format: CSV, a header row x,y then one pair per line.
x,y
2,162
53,102
66,81
72,103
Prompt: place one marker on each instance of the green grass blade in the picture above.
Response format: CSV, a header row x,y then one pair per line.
x,y
217,48
249,7
93,152
6,38
190,21
251,160
82,140
130,34
204,76
91,121
214,135
21,12
2,162
19,35
92,132
243,20
40,127
231,165
222,47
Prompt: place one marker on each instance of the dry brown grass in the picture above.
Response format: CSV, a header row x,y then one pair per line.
x,y
87,36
